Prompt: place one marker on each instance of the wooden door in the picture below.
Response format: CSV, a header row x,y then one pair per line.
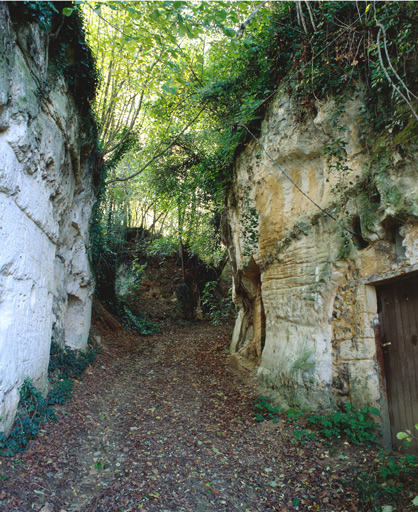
x,y
398,315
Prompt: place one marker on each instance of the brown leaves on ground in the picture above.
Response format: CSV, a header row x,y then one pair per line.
x,y
163,423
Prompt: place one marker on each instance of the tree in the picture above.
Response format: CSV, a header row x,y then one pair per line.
x,y
156,109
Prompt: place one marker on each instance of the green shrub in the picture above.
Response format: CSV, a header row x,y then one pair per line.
x,y
219,309
302,436
67,363
353,424
266,410
61,392
33,412
33,409
392,479
165,246
391,466
136,321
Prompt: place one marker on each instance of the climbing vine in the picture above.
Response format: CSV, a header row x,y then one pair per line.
x,y
314,51
68,53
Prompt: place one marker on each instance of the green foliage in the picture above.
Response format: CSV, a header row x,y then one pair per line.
x,y
266,410
33,409
312,61
164,62
33,412
150,56
302,436
219,309
391,467
67,363
408,436
132,281
174,58
68,53
353,424
71,57
393,476
164,246
61,392
293,415
41,13
136,321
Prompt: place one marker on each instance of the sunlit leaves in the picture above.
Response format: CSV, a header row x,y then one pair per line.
x,y
156,59
67,11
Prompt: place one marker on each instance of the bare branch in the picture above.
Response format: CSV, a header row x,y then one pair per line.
x,y
300,15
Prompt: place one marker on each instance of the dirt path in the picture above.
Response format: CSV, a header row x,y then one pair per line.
x,y
163,423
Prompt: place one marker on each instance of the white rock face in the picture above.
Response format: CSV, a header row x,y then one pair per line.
x,y
46,198
304,289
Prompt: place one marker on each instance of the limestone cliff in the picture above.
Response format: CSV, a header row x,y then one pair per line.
x,y
304,286
46,198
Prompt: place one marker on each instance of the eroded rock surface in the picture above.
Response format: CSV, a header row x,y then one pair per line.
x,y
46,198
306,287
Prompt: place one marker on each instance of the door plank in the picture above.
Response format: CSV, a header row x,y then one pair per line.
x,y
398,313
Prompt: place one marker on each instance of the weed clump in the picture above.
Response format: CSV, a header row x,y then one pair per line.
x,y
136,321
266,410
219,309
352,424
34,410
67,363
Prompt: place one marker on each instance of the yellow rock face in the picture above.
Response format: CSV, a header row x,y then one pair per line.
x,y
306,288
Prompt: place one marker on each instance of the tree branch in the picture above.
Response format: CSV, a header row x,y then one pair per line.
x,y
161,153
408,92
250,17
392,83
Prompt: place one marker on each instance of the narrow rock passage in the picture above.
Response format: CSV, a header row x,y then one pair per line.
x,y
163,423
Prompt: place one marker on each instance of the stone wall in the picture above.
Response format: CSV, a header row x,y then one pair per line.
x,y
46,198
305,290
